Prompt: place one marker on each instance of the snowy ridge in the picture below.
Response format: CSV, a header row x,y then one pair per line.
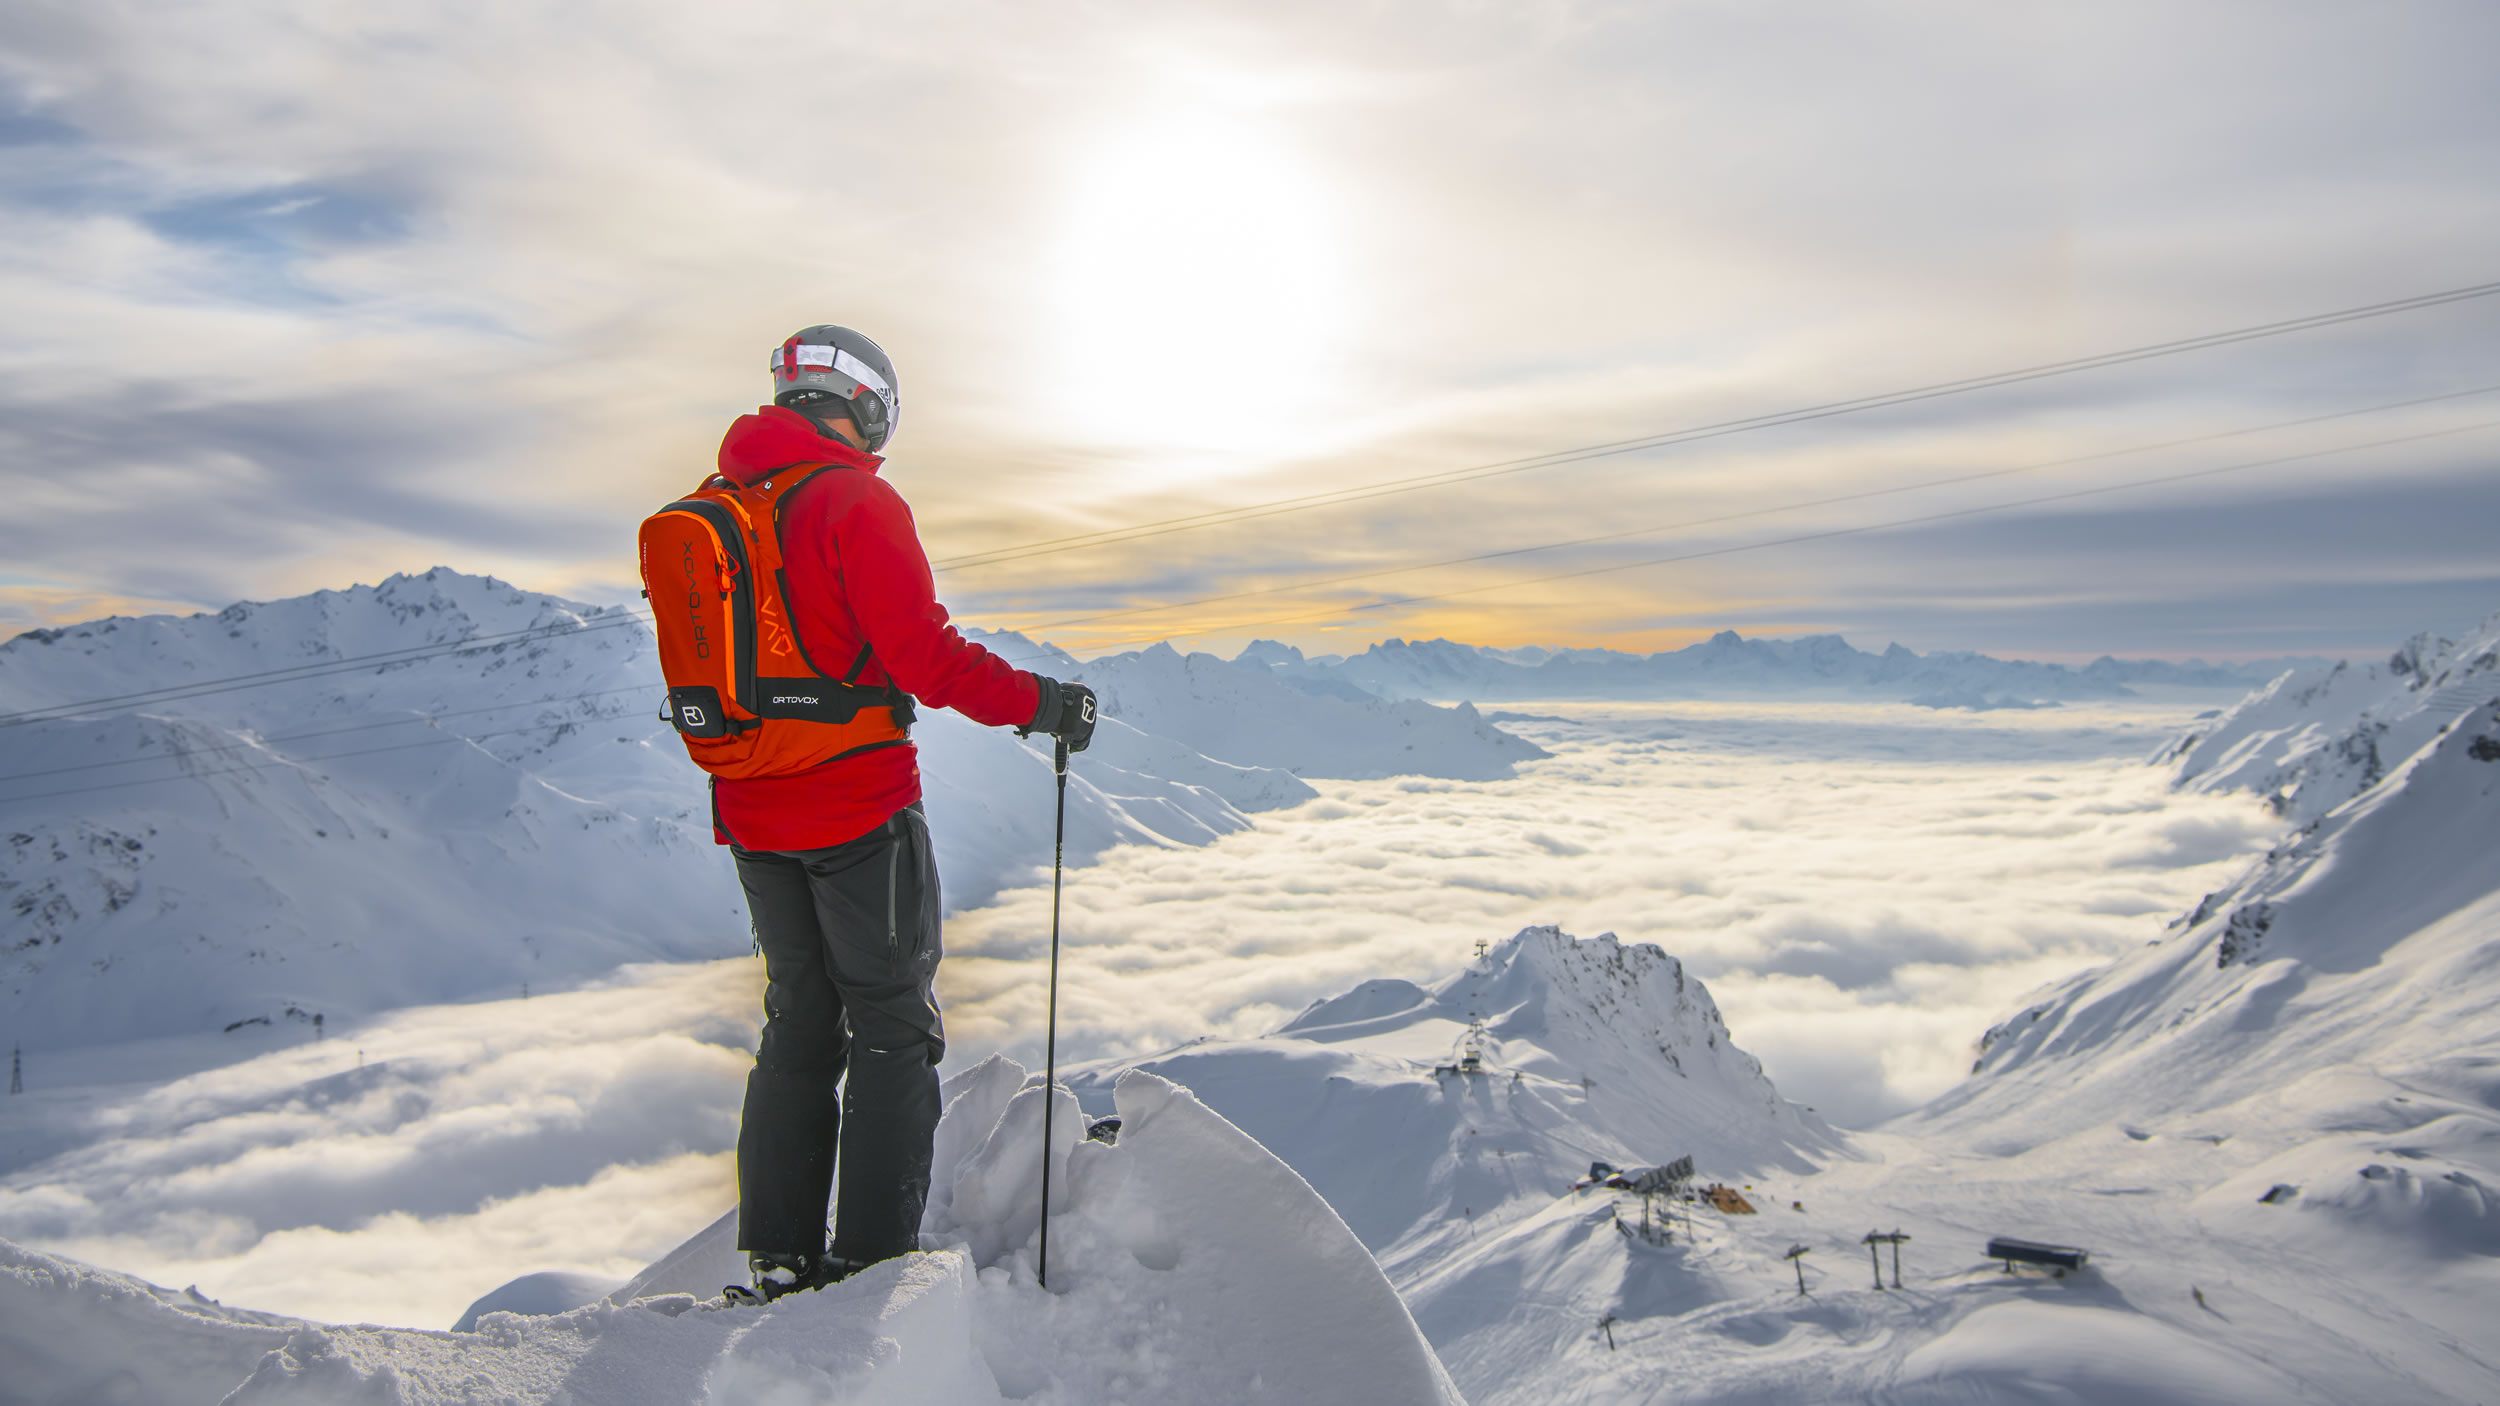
x,y
1347,1093
403,830
1728,665
2315,738
2370,937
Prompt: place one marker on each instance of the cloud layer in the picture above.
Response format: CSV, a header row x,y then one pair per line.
x,y
1865,888
380,1173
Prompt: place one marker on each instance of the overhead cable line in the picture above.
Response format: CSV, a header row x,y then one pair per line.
x,y
320,668
305,763
1341,612
248,745
1798,506
1715,429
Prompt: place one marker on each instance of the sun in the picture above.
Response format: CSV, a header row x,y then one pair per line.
x,y
1200,303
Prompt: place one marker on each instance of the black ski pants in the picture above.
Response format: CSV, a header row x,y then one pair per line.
x,y
850,942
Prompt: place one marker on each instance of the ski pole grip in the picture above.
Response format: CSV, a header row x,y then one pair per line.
x,y
1059,757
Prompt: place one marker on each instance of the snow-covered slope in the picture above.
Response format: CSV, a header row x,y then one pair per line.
x,y
2315,738
383,834
443,786
1728,666
1186,1265
2366,944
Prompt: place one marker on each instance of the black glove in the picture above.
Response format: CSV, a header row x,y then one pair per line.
x,y
1066,712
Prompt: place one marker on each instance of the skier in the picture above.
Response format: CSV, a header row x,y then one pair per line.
x,y
824,818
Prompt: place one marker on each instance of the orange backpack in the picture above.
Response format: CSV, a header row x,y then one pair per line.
x,y
742,692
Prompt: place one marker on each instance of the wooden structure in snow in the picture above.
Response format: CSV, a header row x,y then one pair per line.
x,y
1728,1199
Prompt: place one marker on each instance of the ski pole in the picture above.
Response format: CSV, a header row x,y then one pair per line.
x,y
1050,1040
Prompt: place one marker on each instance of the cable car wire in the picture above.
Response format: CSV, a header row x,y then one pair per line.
x,y
1345,611
1716,429
1798,506
322,668
249,744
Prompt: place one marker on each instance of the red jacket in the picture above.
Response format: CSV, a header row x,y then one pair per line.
x,y
856,575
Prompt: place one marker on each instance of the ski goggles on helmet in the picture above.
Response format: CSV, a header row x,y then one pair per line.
x,y
810,371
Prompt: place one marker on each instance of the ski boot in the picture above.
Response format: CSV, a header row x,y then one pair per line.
x,y
777,1274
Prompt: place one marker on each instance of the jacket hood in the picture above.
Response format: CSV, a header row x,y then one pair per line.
x,y
774,438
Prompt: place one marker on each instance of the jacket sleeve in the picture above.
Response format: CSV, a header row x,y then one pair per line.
x,y
886,578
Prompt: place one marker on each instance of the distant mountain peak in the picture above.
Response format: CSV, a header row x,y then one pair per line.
x,y
1582,1046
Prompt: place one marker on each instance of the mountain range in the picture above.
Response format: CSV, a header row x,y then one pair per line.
x,y
1727,665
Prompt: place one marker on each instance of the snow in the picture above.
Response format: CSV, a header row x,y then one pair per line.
x,y
74,1333
532,1295
2034,1351
2314,738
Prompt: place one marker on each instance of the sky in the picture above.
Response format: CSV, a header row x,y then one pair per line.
x,y
1863,888
294,295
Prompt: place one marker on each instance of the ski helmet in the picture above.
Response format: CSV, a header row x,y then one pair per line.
x,y
824,371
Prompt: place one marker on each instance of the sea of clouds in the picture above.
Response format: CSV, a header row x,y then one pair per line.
x,y
1865,888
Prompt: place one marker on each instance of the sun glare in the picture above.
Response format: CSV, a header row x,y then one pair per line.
x,y
1200,302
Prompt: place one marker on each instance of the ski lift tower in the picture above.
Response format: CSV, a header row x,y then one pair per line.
x,y
1471,1055
1797,1256
1875,1238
